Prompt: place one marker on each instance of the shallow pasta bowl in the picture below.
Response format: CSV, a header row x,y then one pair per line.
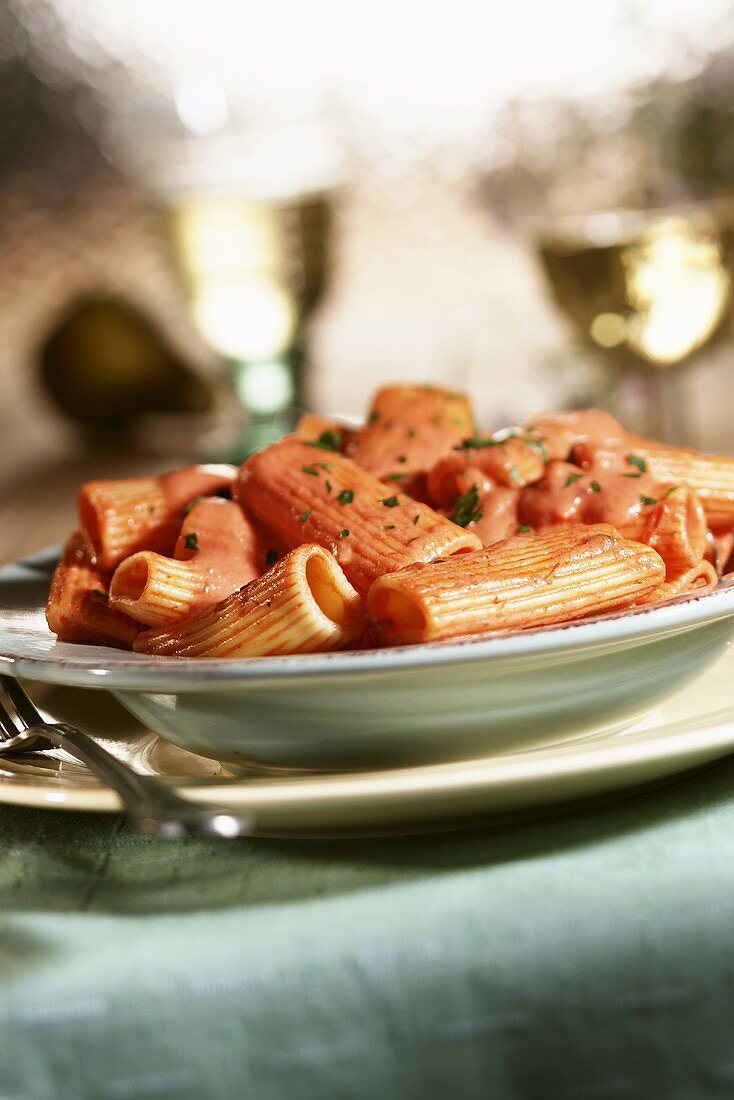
x,y
384,708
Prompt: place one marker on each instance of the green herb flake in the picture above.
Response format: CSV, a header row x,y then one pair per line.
x,y
632,475
390,502
304,515
346,496
99,592
411,433
476,442
571,480
373,417
271,556
396,477
415,519
328,485
389,527
324,466
344,534
191,542
402,458
327,441
649,500
189,506
539,445
672,489
523,529
595,487
310,470
636,460
467,508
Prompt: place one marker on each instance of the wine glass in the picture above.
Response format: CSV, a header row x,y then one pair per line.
x,y
649,292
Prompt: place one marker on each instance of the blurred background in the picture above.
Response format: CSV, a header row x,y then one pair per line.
x,y
213,214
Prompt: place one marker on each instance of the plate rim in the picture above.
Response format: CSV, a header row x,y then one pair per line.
x,y
138,672
712,734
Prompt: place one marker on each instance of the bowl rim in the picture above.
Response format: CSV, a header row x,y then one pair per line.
x,y
113,669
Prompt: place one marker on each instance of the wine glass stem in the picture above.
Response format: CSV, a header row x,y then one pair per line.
x,y
667,406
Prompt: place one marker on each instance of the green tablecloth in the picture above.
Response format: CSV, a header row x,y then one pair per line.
x,y
589,956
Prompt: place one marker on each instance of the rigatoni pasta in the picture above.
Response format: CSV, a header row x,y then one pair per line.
x,y
408,428
78,606
306,493
122,516
216,553
416,527
303,604
522,582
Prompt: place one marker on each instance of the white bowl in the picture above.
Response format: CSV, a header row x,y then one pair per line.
x,y
383,708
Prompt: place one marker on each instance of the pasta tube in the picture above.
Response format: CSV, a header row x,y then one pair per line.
x,y
122,516
702,575
560,432
216,553
307,494
304,604
522,582
712,476
408,429
78,608
674,524
513,462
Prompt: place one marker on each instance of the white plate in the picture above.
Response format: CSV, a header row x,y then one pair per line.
x,y
383,708
682,734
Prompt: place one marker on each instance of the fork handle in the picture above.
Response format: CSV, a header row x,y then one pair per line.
x,y
150,806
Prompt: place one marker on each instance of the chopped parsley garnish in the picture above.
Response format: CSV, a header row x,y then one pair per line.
x,y
390,502
595,487
539,445
304,515
327,441
373,417
523,529
328,485
323,466
310,470
397,477
389,527
344,534
99,592
467,508
188,507
572,479
636,460
271,556
402,458
649,500
415,519
475,442
346,496
191,542
672,489
633,475
411,433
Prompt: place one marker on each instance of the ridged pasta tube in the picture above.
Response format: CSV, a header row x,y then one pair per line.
x,y
308,494
304,604
216,553
527,581
122,516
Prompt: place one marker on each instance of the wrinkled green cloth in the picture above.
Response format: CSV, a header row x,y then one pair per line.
x,y
586,956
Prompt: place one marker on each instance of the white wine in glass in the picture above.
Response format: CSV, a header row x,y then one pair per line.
x,y
649,291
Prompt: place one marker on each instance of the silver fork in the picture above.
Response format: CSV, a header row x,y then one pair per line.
x,y
151,807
